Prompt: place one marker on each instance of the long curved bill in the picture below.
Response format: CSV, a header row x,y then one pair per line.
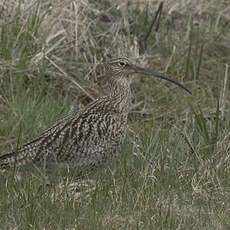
x,y
149,72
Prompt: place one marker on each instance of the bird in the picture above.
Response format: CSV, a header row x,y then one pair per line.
x,y
92,136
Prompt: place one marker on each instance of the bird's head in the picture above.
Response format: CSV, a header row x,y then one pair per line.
x,y
123,68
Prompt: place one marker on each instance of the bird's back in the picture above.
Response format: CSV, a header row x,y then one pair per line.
x,y
84,139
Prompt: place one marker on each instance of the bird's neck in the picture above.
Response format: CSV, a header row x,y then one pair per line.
x,y
120,93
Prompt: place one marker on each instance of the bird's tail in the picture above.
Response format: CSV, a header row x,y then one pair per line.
x,y
10,159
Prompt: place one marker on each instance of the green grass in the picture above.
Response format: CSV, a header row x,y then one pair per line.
x,y
173,171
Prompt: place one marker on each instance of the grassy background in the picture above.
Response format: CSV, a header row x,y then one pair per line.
x,y
174,169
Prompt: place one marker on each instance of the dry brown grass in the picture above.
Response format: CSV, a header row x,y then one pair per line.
x,y
173,172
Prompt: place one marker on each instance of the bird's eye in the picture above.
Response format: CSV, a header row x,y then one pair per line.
x,y
121,63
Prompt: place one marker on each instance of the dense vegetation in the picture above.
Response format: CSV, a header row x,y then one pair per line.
x,y
174,168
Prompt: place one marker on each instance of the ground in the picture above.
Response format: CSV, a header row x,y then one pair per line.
x,y
174,168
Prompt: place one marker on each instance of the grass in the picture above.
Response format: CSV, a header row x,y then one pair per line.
x,y
173,170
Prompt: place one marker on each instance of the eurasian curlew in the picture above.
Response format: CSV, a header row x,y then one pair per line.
x,y
91,136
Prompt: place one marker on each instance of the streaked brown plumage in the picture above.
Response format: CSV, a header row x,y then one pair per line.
x,y
91,136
